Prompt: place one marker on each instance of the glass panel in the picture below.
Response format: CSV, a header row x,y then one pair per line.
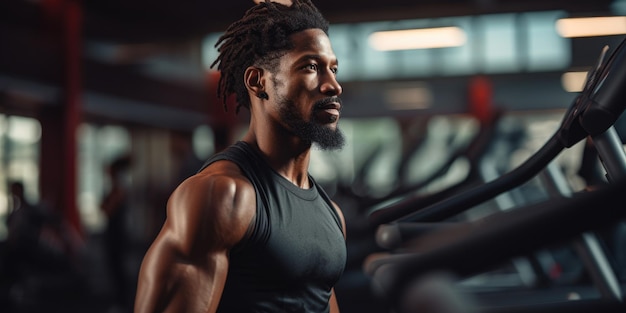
x,y
19,158
499,43
457,60
500,46
209,52
546,49
98,146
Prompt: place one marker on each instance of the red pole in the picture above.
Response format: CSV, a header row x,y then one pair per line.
x,y
72,30
59,184
481,98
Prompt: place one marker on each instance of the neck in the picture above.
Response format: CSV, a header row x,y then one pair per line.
x,y
289,158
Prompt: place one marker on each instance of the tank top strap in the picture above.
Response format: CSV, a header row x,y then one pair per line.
x,y
327,199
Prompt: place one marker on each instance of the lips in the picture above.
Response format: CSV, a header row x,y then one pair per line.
x,y
328,109
329,104
332,108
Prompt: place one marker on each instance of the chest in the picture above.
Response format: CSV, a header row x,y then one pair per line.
x,y
304,241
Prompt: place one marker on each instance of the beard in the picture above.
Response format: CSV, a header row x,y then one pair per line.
x,y
309,130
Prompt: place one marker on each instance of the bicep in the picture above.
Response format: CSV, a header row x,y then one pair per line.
x,y
172,281
185,268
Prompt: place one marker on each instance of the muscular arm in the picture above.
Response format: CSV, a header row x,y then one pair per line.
x,y
185,268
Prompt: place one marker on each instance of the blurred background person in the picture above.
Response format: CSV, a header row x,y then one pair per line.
x,y
115,206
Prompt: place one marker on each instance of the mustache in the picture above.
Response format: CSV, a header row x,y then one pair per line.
x,y
323,103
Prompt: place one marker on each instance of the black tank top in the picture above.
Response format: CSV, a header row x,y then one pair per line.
x,y
294,251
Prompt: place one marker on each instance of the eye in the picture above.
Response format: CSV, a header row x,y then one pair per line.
x,y
334,70
312,67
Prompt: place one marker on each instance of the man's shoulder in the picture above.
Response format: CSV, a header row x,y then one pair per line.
x,y
221,185
219,174
218,198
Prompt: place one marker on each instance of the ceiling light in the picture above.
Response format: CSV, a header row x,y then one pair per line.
x,y
591,26
408,96
426,38
573,81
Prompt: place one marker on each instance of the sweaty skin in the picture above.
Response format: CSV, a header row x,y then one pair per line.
x,y
185,268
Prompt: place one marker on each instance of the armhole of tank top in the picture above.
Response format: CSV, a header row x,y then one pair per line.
x,y
250,234
252,228
329,202
258,229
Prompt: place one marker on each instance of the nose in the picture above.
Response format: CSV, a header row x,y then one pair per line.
x,y
330,86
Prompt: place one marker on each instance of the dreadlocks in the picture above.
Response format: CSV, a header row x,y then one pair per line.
x,y
259,39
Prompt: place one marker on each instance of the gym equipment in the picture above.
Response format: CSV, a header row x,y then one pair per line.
x,y
466,248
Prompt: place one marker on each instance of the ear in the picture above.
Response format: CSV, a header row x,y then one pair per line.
x,y
254,80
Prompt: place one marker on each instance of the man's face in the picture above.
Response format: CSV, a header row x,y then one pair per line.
x,y
307,92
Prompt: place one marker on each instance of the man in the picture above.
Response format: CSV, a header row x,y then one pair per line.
x,y
114,206
252,231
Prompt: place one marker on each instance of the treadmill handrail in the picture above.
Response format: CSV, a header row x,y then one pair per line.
x,y
490,241
474,196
